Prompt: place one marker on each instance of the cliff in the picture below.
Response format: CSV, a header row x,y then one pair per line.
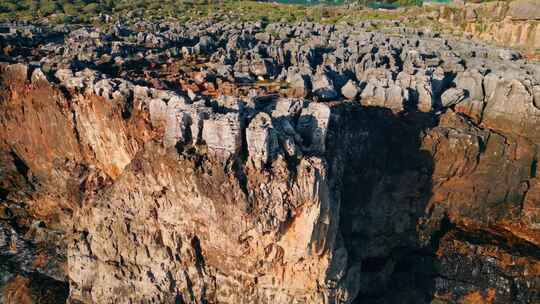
x,y
505,23
225,162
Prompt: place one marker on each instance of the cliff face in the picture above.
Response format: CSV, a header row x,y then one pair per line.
x,y
388,169
505,23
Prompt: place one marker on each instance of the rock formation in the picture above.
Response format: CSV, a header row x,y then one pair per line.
x,y
506,23
225,162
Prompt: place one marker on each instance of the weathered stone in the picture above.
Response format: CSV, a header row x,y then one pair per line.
x,y
524,10
163,198
509,55
178,123
350,90
104,88
222,134
287,107
38,76
299,85
158,111
511,107
472,82
261,139
424,93
63,74
323,87
313,127
452,96
18,71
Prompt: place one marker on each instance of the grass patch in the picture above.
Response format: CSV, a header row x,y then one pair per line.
x,y
88,11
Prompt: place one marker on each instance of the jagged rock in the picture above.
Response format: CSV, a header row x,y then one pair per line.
x,y
313,127
263,68
63,74
472,82
299,85
160,197
243,77
524,10
206,44
178,123
509,55
224,70
140,92
383,93
18,70
104,88
323,87
452,96
222,134
424,93
261,139
350,90
287,107
510,106
470,14
38,76
158,111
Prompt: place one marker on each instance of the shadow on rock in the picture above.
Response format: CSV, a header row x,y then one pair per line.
x,y
386,187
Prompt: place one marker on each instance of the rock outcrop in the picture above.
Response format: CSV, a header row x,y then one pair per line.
x,y
506,23
396,167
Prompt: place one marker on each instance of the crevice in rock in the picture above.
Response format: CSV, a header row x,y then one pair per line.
x,y
380,151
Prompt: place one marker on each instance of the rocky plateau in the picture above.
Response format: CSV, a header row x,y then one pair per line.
x,y
243,162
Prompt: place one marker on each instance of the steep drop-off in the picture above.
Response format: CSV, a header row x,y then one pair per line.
x,y
393,167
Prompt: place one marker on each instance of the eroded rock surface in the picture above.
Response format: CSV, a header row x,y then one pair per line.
x,y
147,164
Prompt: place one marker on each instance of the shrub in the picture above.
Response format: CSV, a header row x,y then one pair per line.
x,y
8,7
48,7
91,8
70,9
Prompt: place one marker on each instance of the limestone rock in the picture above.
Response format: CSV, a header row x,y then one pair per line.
x,y
222,134
323,87
452,96
154,168
524,10
472,82
511,107
313,127
18,71
178,123
38,76
261,139
350,90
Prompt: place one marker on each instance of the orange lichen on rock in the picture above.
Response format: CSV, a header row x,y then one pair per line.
x,y
479,297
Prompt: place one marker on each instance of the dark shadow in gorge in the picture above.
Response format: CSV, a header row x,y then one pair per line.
x,y
386,186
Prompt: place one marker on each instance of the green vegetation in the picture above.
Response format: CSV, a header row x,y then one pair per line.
x,y
93,11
